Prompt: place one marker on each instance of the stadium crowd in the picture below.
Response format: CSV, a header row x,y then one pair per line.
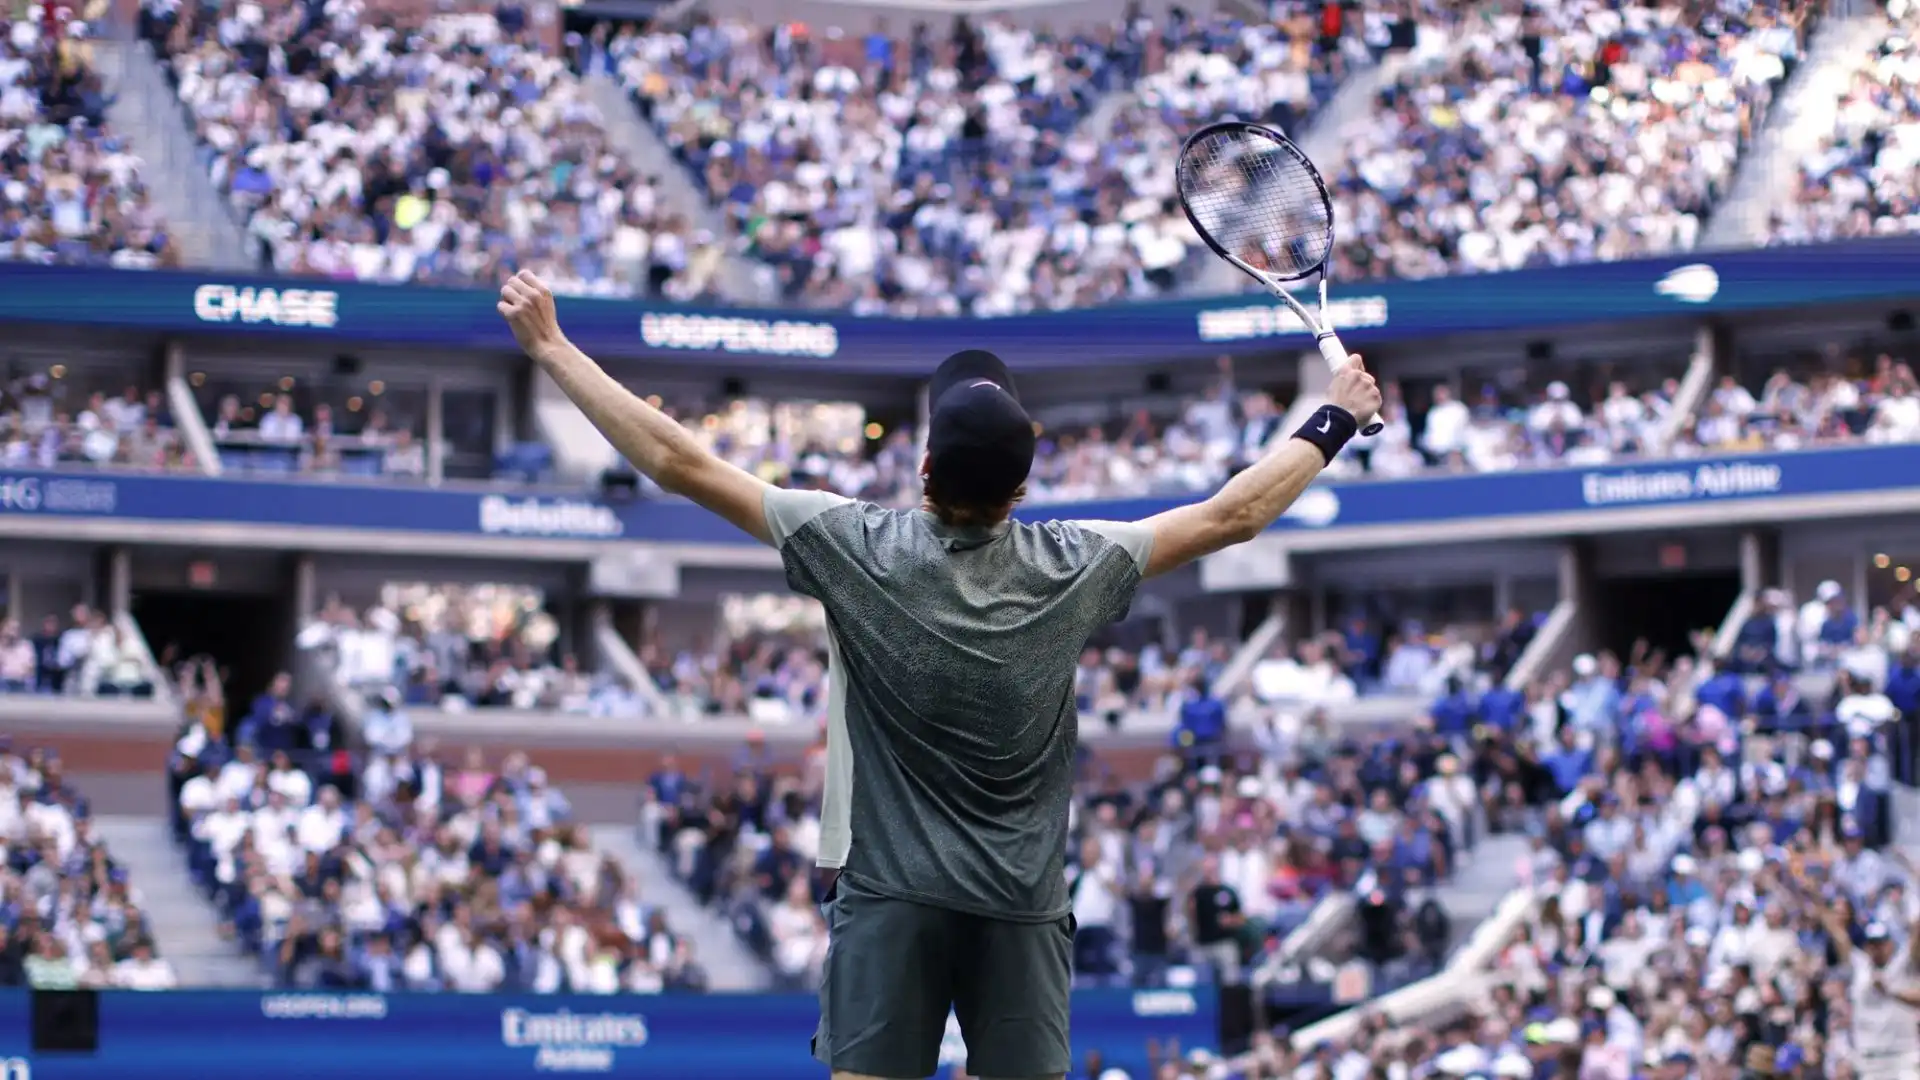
x,y
1530,421
48,423
935,174
1194,445
1860,179
69,916
1715,892
1556,133
85,655
401,871
1877,402
1206,868
944,171
454,648
73,193
365,142
277,438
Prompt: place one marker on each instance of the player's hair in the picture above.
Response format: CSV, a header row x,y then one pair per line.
x,y
955,514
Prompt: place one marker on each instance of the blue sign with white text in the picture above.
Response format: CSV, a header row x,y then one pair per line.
x,y
1749,479
1685,286
223,1035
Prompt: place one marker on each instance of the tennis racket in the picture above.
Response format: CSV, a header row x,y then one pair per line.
x,y
1257,201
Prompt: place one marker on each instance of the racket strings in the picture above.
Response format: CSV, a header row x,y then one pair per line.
x,y
1259,200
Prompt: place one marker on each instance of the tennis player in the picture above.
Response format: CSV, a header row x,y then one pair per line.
x,y
953,633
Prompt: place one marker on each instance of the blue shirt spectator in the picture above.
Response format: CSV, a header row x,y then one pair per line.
x,y
1453,713
1202,725
1568,763
1502,707
1593,700
269,725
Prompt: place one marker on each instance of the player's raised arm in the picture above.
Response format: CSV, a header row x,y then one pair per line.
x,y
654,442
1256,498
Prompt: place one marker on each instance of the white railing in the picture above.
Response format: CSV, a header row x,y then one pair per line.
x,y
1545,644
163,690
625,663
1252,651
1693,390
1729,632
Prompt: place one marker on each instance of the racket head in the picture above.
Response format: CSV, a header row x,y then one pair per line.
x,y
1256,200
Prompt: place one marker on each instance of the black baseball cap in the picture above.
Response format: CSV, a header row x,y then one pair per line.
x,y
979,438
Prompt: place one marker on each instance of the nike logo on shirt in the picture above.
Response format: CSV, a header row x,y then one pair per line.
x,y
1326,425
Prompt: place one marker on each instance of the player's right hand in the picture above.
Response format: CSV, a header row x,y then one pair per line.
x,y
527,305
1354,390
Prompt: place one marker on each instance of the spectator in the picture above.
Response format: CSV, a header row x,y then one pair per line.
x,y
142,970
271,723
75,641
1097,893
1201,728
1217,922
1149,916
385,726
799,935
282,424
18,659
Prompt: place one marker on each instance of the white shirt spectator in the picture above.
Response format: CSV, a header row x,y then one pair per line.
x,y
1096,896
282,427
152,973
1446,427
320,827
291,784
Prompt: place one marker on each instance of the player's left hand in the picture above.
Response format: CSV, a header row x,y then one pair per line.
x,y
527,305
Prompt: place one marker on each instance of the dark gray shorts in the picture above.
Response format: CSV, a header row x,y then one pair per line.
x,y
895,968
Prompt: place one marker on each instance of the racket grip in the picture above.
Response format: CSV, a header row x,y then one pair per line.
x,y
1337,358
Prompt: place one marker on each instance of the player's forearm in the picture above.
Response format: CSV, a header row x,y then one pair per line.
x,y
1258,495
651,440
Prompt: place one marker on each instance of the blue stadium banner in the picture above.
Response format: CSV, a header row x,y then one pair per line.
x,y
347,313
1751,480
231,1035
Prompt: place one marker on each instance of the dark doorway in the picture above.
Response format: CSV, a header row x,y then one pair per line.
x,y
248,636
1665,610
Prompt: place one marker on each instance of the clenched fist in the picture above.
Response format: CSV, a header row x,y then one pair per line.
x,y
527,305
1352,389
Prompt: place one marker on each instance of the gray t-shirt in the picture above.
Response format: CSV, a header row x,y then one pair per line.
x,y
951,725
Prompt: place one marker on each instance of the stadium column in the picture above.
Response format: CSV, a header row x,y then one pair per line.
x,y
306,591
119,581
1759,560
190,425
436,429
1583,631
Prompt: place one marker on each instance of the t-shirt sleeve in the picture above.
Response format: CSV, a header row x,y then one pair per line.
x,y
1133,537
789,511
1120,583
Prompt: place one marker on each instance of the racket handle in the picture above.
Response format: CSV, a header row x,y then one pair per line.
x,y
1337,358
